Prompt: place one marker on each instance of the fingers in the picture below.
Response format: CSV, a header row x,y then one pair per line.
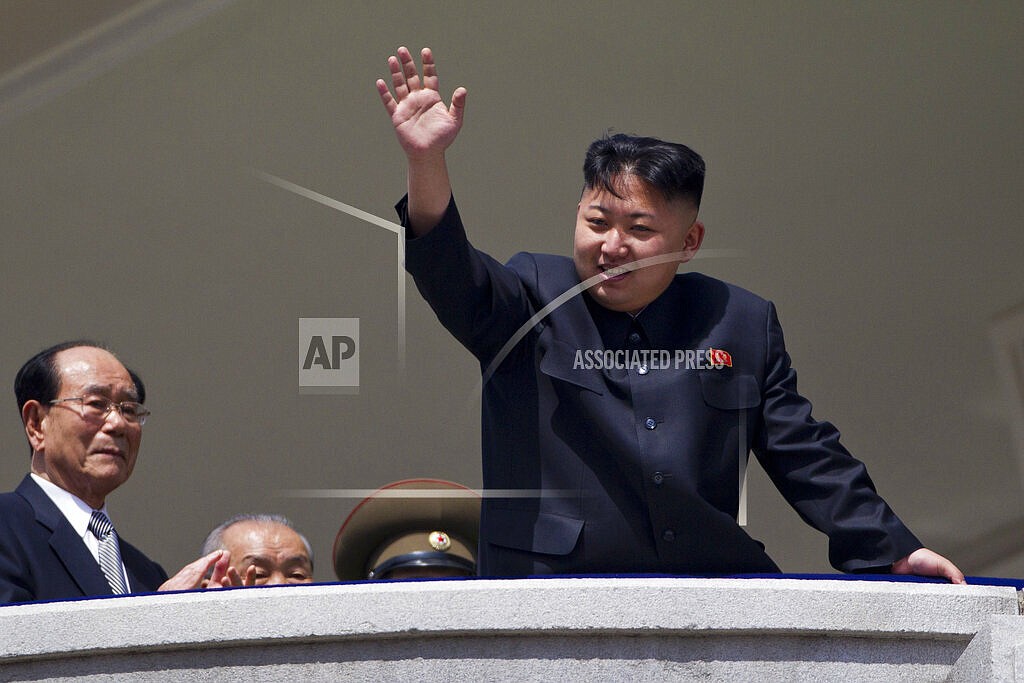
x,y
409,71
925,562
232,578
952,572
224,575
250,576
385,96
221,567
398,77
192,575
429,69
405,77
458,104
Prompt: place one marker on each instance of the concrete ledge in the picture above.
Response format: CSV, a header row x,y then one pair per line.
x,y
996,654
536,629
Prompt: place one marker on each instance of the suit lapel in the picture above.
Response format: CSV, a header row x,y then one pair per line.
x,y
136,583
81,566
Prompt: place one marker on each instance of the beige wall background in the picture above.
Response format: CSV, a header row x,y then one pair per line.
x,y
866,158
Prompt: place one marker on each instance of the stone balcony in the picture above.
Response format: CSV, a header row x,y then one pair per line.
x,y
553,629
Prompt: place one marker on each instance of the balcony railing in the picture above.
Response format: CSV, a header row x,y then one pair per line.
x,y
555,629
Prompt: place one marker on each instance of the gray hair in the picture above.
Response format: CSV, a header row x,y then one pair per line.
x,y
215,541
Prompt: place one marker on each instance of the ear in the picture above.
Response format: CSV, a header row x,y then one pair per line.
x,y
694,238
32,416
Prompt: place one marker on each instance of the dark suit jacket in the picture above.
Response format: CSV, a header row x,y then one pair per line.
x,y
42,558
639,465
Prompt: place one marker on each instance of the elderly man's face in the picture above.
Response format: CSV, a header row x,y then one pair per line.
x,y
87,457
640,223
275,552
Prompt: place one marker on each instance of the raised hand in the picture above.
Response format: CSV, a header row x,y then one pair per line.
x,y
425,126
193,575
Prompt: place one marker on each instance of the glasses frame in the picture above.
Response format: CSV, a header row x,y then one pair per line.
x,y
142,412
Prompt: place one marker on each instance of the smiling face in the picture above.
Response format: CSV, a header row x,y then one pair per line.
x,y
87,457
275,551
612,231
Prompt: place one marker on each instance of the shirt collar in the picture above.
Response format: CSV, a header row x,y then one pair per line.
x,y
655,323
74,509
613,326
663,319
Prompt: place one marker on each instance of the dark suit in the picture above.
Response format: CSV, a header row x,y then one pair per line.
x,y
640,465
43,558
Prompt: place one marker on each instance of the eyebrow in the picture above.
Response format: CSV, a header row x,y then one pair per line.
x,y
106,389
635,214
263,559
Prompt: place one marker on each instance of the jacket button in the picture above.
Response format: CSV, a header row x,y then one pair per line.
x,y
642,370
650,423
657,478
669,535
634,337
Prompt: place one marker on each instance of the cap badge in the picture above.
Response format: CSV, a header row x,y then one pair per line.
x,y
439,540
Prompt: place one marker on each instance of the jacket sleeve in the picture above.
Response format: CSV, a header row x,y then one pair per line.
x,y
14,582
826,485
480,301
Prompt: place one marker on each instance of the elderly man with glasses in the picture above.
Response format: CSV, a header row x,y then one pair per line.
x,y
83,413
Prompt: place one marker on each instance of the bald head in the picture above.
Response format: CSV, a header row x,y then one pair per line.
x,y
265,545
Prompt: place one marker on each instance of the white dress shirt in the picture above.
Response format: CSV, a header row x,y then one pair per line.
x,y
78,514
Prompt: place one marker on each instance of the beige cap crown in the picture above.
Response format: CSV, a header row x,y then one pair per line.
x,y
407,523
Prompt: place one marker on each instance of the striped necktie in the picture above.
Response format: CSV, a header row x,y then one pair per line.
x,y
110,554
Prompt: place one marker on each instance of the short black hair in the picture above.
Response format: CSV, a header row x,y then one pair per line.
x,y
38,379
673,169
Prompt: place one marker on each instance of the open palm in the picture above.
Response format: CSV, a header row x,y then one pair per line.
x,y
424,125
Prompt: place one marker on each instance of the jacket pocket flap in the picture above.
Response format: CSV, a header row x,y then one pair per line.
x,y
536,532
729,392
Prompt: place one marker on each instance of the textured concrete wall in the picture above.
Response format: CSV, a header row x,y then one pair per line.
x,y
996,654
541,629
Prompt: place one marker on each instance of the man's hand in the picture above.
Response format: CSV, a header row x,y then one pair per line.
x,y
224,575
424,125
425,128
236,579
924,562
193,575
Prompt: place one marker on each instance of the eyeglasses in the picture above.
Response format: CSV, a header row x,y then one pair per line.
x,y
98,408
